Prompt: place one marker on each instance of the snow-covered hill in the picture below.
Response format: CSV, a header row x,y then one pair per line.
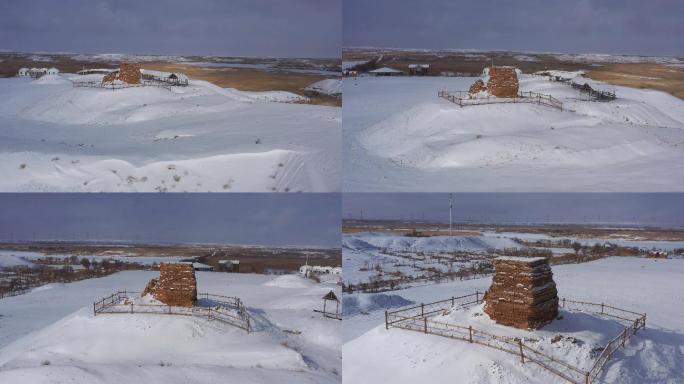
x,y
652,356
196,138
425,244
400,136
50,335
331,87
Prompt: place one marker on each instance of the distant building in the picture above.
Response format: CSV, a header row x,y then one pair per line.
x,y
36,73
386,71
230,265
52,71
202,267
23,72
419,69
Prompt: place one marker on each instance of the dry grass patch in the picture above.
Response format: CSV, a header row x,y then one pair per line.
x,y
662,77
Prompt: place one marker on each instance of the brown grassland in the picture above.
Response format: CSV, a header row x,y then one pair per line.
x,y
666,78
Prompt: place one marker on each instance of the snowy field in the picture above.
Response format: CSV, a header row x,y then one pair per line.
x,y
654,355
50,335
399,136
196,138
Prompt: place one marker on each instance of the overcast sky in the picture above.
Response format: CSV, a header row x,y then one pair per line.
x,y
260,219
643,209
653,27
277,28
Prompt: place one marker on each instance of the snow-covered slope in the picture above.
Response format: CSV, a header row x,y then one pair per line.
x,y
653,356
400,136
426,244
196,138
328,86
50,335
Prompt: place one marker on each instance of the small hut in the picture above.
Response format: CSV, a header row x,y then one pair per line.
x,y
386,71
330,296
23,72
419,69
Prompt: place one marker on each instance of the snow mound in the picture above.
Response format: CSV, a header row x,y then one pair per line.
x,y
363,304
94,106
10,260
331,87
50,80
434,136
274,170
289,281
143,341
275,96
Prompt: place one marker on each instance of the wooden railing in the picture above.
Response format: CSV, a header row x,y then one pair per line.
x,y
462,98
114,86
417,318
229,310
594,94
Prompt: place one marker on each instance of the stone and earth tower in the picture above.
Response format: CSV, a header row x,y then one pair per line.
x,y
175,286
523,293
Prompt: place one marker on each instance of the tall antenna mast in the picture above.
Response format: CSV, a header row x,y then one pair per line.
x,y
451,195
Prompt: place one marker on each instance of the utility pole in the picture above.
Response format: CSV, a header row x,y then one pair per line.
x,y
451,195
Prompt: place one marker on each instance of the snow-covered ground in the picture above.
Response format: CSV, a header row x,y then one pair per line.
x,y
50,335
331,87
196,138
654,355
399,136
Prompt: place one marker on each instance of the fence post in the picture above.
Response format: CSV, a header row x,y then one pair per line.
x,y
422,309
470,331
425,324
94,311
601,308
477,297
386,323
643,326
522,355
586,378
452,301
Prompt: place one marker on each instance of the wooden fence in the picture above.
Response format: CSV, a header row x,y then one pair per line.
x,y
229,310
462,98
15,292
591,93
115,86
416,318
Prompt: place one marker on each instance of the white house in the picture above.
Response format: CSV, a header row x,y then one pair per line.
x,y
52,71
23,71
